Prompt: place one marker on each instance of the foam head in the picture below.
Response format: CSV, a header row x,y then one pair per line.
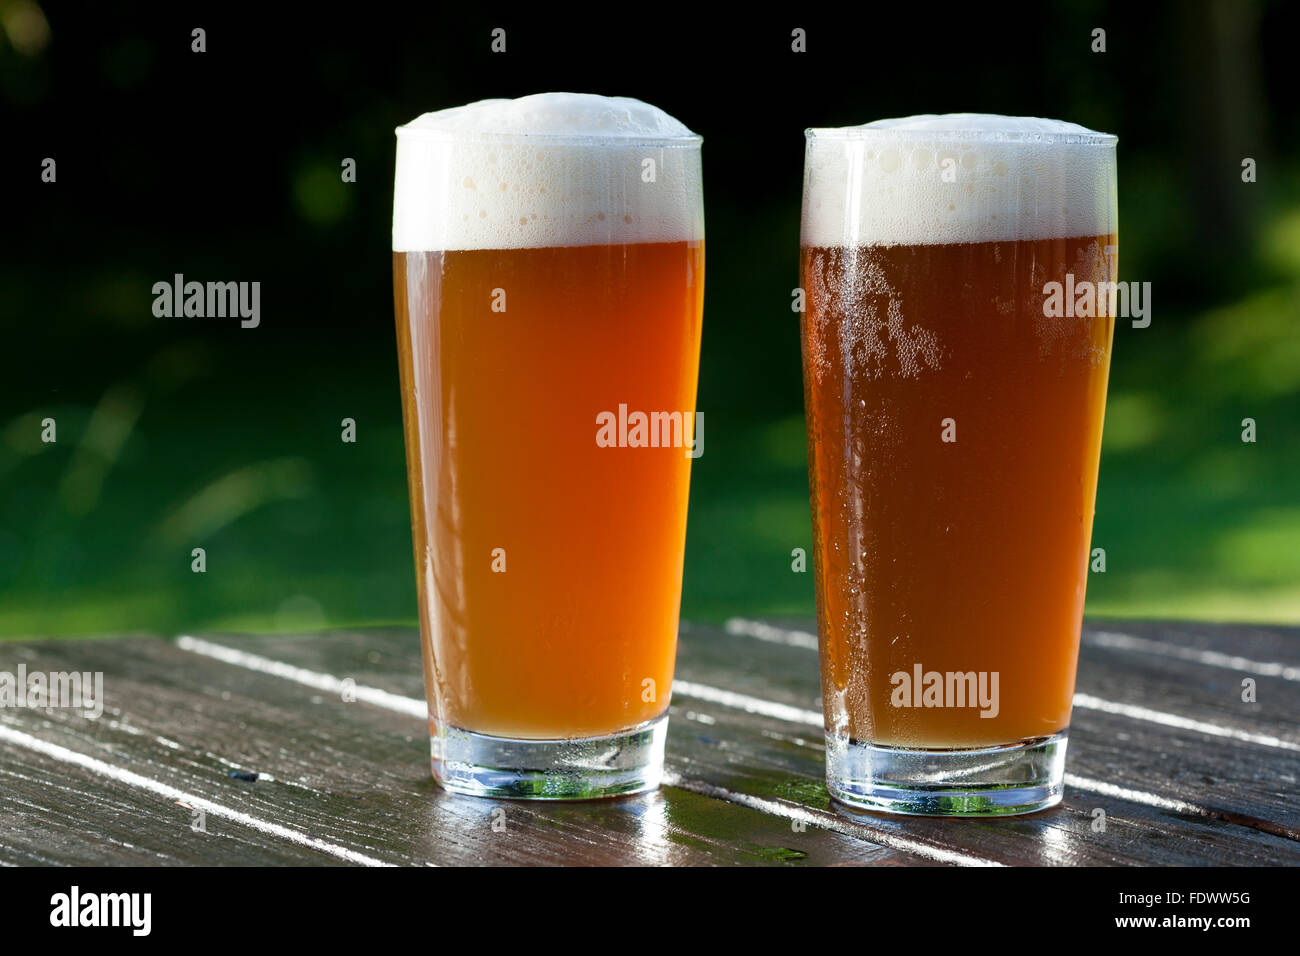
x,y
553,169
962,177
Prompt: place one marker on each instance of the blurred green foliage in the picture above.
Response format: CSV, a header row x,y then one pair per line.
x,y
175,434
302,530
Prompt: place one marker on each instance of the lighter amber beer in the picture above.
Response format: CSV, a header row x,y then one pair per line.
x,y
548,271
954,411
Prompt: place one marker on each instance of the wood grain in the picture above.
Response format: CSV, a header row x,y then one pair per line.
x,y
346,782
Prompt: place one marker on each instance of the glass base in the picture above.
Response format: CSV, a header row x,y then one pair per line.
x,y
990,781
583,768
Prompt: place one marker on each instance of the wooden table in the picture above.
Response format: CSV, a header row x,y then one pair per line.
x,y
1167,764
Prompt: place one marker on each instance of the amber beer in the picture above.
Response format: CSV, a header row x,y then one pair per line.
x,y
543,282
954,427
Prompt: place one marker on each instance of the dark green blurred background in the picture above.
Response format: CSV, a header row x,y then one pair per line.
x,y
175,433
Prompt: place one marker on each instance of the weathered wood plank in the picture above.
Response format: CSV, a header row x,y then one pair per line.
x,y
1274,642
1152,662
1159,684
743,782
751,754
350,774
54,813
1169,667
758,759
1245,781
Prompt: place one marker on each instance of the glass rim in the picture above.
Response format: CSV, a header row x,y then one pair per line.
x,y
1026,137
546,139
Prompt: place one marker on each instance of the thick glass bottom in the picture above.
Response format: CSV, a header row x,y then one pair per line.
x,y
990,781
583,768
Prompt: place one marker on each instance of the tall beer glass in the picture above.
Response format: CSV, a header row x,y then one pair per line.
x,y
955,382
548,268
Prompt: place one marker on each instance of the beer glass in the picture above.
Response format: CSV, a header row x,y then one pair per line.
x,y
955,382
548,269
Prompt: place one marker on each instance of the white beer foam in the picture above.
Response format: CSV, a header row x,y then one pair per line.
x,y
1009,178
553,169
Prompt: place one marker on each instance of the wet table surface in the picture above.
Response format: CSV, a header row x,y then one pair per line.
x,y
227,749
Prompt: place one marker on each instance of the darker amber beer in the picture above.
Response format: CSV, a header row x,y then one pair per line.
x,y
954,428
542,284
